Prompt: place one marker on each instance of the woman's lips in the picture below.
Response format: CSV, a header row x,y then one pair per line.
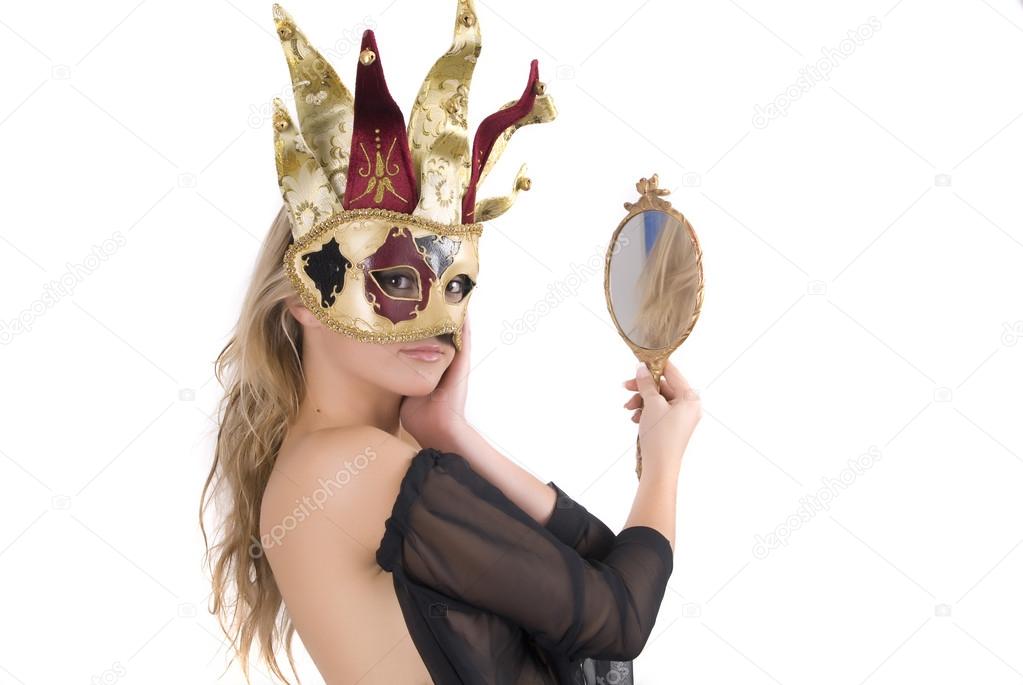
x,y
426,353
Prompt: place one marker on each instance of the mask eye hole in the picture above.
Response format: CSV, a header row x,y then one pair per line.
x,y
400,282
458,288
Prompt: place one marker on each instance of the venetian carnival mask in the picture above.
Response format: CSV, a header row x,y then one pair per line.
x,y
385,220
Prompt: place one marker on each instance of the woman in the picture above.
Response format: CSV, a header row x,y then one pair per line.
x,y
311,456
360,508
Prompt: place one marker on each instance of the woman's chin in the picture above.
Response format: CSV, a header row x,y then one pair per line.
x,y
420,384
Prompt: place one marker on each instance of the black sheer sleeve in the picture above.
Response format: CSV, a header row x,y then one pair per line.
x,y
455,532
574,525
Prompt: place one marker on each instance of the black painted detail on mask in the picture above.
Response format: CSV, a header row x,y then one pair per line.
x,y
327,268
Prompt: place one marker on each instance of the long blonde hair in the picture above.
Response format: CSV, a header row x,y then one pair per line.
x,y
260,370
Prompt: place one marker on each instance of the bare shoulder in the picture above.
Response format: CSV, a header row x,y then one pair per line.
x,y
321,521
338,451
332,486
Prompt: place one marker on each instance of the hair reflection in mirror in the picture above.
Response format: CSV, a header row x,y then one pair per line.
x,y
668,284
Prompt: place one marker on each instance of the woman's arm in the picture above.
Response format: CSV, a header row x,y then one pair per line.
x,y
438,421
452,531
568,520
531,494
666,415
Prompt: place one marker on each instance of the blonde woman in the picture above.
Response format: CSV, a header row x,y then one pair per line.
x,y
355,504
319,443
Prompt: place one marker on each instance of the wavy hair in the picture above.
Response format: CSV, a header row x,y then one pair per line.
x,y
260,369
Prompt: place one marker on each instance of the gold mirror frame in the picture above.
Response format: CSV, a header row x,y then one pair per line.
x,y
651,199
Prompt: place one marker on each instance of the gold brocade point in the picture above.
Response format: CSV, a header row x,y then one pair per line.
x,y
280,118
285,30
367,57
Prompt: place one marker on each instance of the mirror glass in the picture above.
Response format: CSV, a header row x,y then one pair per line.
x,y
654,279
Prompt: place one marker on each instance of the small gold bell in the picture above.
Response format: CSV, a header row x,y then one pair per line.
x,y
523,183
367,57
468,19
540,88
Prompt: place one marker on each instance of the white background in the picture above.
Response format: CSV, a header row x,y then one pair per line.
x,y
863,255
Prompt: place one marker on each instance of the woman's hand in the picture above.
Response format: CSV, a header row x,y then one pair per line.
x,y
437,419
666,417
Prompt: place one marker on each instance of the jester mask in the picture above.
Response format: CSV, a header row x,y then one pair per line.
x,y
384,217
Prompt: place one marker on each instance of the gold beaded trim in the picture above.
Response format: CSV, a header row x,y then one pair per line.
x,y
313,304
352,215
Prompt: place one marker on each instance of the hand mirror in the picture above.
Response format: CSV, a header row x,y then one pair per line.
x,y
653,279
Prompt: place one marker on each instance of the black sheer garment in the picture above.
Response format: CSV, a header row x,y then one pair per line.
x,y
492,597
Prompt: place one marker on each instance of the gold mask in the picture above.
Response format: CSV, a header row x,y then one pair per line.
x,y
385,221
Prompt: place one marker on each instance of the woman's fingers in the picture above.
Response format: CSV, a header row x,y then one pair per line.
x,y
683,390
635,402
667,389
458,369
466,333
645,382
